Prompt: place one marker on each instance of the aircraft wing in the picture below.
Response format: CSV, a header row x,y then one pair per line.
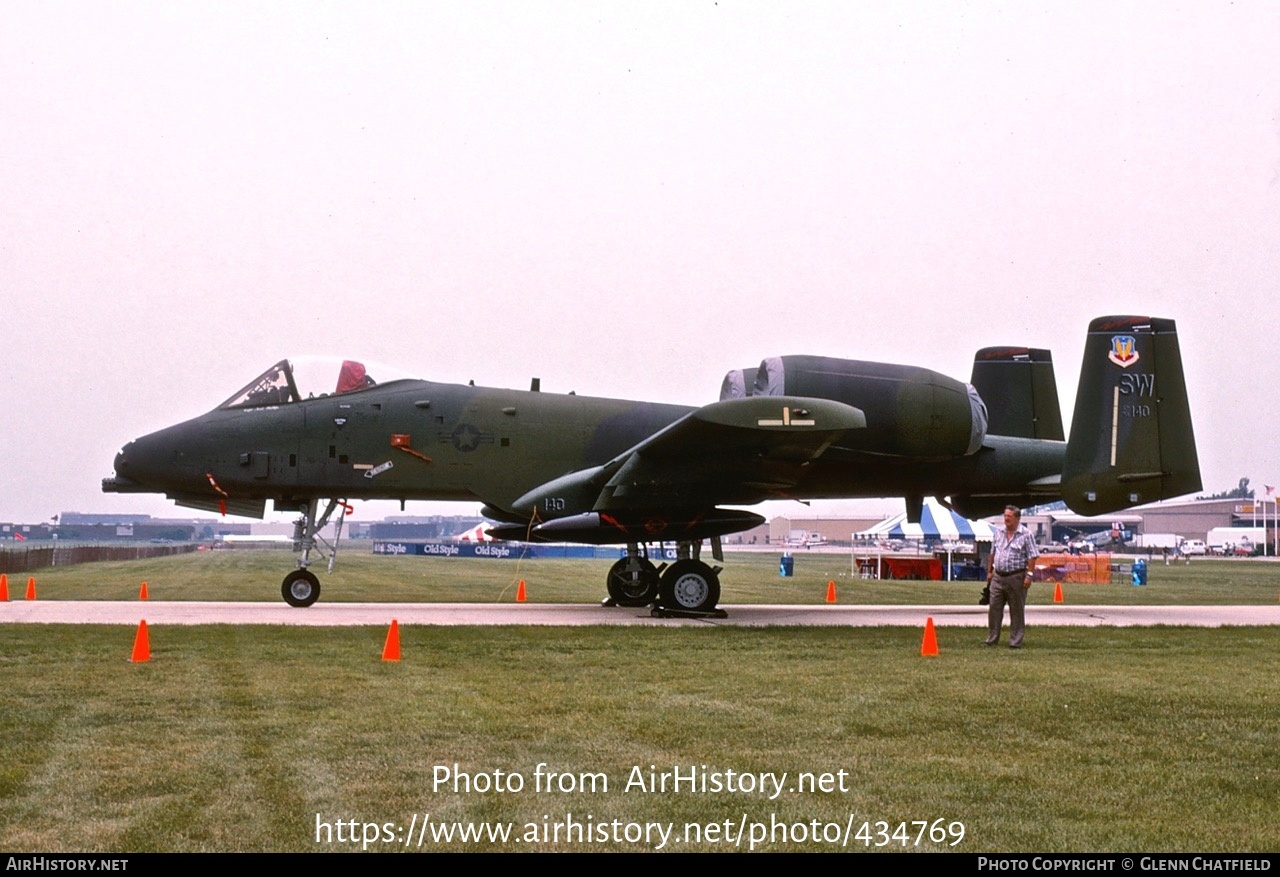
x,y
736,451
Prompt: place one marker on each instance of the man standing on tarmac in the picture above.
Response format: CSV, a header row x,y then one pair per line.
x,y
1013,557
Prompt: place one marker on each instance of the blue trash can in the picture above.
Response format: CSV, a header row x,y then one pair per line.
x,y
1139,572
787,566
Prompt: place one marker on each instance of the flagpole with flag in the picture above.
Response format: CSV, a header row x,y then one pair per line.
x,y
1275,516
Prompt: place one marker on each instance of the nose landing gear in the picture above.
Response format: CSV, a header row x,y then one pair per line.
x,y
301,588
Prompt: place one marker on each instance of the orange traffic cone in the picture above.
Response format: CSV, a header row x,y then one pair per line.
x,y
831,592
1057,592
929,647
142,592
391,651
141,645
31,588
4,588
520,594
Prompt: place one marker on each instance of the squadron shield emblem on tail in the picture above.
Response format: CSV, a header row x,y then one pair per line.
x,y
1124,350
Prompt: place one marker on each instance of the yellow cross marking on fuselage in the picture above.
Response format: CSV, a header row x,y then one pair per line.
x,y
786,420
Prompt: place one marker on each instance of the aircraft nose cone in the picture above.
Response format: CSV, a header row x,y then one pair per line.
x,y
137,460
148,463
124,481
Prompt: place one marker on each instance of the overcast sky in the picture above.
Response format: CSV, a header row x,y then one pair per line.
x,y
624,199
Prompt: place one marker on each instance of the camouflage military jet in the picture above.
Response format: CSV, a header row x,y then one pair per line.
x,y
569,468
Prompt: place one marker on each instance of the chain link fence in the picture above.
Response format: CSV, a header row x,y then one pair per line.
x,y
14,560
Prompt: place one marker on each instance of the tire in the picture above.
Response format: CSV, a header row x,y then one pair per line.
x,y
632,589
690,586
300,588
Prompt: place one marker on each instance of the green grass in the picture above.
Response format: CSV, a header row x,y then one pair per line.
x,y
239,738
747,578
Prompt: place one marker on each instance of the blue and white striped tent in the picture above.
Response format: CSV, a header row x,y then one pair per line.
x,y
936,522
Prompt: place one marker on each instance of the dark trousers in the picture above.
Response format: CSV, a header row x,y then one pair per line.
x,y
1007,589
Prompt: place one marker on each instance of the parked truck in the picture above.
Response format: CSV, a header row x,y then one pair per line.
x,y
1235,541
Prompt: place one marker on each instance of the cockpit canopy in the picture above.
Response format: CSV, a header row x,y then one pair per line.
x,y
307,378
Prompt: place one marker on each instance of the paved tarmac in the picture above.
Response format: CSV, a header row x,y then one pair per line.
x,y
578,615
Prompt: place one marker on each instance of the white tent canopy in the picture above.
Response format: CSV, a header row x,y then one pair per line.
x,y
936,522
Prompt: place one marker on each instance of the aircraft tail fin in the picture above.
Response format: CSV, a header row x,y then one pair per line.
x,y
1018,387
1131,437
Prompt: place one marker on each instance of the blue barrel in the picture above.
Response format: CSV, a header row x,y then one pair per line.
x,y
1139,572
787,566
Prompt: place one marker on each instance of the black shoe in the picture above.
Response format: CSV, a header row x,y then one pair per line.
x,y
989,643
1012,646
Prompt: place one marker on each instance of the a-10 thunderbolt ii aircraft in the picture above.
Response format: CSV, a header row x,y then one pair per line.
x,y
569,468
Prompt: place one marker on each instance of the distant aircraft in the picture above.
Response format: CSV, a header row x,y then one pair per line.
x,y
568,468
805,540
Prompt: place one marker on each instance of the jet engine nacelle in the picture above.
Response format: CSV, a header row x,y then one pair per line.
x,y
910,411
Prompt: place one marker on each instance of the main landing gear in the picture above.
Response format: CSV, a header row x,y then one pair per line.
x,y
633,580
690,586
301,588
687,586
